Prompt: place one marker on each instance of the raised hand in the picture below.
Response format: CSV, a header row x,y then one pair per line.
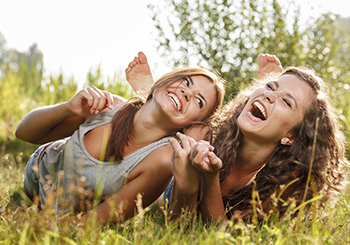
x,y
90,101
139,75
268,64
186,175
204,159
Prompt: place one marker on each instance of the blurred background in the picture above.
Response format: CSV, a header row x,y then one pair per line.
x,y
49,49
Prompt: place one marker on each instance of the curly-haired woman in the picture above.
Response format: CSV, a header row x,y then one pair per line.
x,y
278,138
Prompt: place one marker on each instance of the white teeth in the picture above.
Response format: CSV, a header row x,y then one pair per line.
x,y
176,101
261,108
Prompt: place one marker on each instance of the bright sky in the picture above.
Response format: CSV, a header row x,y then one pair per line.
x,y
76,35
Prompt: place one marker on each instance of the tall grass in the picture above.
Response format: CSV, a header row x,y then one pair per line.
x,y
23,223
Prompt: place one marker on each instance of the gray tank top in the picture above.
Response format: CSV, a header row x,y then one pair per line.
x,y
79,168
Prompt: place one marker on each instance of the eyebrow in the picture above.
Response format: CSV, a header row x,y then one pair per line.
x,y
199,94
288,94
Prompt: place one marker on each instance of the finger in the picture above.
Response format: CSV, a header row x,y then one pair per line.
x,y
85,95
109,98
199,156
197,147
101,99
175,144
185,140
215,161
96,99
191,141
206,143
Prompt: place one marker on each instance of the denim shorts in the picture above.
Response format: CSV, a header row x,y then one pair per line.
x,y
168,193
31,176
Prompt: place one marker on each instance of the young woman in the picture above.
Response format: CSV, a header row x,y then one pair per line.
x,y
268,139
280,139
114,151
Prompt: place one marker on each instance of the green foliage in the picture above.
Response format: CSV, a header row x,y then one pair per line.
x,y
228,35
23,88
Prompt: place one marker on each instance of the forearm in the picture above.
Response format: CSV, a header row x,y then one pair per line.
x,y
183,199
211,206
39,122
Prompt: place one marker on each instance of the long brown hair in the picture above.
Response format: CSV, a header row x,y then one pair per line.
x,y
289,163
122,126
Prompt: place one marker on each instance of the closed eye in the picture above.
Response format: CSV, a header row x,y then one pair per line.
x,y
287,103
269,86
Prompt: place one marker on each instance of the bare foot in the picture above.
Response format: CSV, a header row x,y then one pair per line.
x,y
268,64
139,75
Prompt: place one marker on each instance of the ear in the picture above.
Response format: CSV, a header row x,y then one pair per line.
x,y
288,140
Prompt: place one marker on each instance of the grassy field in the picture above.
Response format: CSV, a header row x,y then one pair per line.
x,y
22,223
25,224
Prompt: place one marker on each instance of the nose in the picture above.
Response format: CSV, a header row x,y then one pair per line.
x,y
270,96
186,93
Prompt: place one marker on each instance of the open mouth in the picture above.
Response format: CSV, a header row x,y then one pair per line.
x,y
258,111
175,101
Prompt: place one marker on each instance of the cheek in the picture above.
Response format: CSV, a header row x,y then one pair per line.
x,y
286,123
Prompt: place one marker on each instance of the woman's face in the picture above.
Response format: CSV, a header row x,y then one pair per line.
x,y
186,100
275,108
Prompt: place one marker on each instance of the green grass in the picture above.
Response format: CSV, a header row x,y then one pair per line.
x,y
21,223
25,224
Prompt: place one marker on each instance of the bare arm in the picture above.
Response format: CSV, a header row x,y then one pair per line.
x,y
186,183
204,159
211,206
54,122
150,182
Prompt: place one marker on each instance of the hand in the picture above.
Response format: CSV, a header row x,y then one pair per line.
x,y
90,101
186,176
204,159
268,64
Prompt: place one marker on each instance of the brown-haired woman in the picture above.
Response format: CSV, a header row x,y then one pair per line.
x,y
115,149
269,139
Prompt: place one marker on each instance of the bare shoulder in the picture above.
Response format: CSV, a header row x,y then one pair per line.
x,y
161,156
157,163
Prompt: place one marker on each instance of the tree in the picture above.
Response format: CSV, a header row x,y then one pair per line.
x,y
227,36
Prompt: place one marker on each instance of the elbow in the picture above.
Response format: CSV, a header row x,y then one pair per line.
x,y
18,132
23,134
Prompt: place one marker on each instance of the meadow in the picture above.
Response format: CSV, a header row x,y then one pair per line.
x,y
23,223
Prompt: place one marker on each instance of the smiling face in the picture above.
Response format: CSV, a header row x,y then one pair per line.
x,y
186,100
274,109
